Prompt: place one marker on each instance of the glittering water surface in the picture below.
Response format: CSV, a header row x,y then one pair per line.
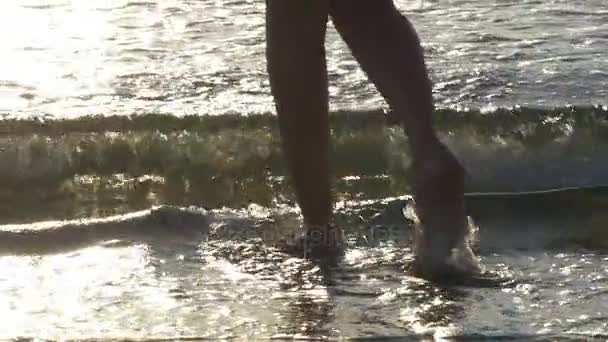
x,y
67,58
109,267
173,272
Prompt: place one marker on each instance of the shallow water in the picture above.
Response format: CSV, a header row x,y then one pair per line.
x,y
191,273
72,58
83,256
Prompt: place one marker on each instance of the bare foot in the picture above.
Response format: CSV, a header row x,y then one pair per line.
x,y
439,202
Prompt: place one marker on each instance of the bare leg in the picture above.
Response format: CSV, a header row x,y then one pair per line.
x,y
388,49
295,33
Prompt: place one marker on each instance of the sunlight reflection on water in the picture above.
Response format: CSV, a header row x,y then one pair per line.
x,y
72,58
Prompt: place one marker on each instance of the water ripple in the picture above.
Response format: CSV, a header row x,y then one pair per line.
x,y
189,40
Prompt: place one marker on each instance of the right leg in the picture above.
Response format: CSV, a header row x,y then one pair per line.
x,y
388,49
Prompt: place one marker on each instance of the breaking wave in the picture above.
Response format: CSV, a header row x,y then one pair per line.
x,y
127,163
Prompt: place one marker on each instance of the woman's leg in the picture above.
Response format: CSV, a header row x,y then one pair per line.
x,y
295,34
388,49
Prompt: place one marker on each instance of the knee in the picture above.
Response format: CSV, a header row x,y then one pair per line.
x,y
352,15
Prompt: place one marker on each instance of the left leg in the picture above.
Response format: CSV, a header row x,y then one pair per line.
x,y
295,33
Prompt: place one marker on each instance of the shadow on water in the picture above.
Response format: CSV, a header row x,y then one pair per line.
x,y
324,306
553,219
328,300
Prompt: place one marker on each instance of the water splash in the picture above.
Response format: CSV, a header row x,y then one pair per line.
x,y
462,258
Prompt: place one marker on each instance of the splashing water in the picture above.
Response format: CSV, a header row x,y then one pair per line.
x,y
462,259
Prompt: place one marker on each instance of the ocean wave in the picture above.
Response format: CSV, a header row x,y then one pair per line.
x,y
364,143
232,160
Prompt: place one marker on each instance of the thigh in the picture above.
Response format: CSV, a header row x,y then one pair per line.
x,y
362,15
295,51
295,27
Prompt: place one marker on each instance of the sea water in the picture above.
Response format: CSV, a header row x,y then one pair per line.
x,y
144,194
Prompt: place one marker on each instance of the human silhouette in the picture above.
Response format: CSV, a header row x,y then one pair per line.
x,y
388,49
